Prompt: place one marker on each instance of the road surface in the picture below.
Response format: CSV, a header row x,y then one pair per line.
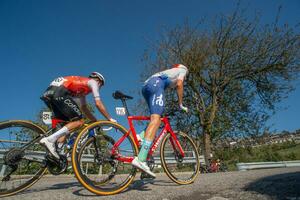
x,y
280,183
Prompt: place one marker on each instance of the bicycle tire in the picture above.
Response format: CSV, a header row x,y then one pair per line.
x,y
42,168
91,185
168,162
106,179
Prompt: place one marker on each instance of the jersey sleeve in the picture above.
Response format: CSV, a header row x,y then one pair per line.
x,y
93,85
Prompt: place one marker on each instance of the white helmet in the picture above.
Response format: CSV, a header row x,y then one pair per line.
x,y
97,75
181,66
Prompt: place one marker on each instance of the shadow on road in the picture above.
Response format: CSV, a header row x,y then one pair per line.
x,y
79,193
280,186
140,185
59,186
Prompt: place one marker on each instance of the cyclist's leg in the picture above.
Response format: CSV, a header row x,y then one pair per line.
x,y
147,141
66,113
153,93
47,98
149,137
67,109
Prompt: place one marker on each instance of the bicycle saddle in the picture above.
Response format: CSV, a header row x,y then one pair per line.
x,y
119,95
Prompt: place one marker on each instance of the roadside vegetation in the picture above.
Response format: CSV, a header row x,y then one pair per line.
x,y
275,152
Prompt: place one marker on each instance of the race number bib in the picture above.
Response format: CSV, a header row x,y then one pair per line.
x,y
57,82
47,117
120,111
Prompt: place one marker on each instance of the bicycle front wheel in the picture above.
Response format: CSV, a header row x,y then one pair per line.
x,y
21,156
99,155
180,169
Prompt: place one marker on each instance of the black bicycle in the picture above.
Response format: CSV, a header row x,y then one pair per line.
x,y
23,160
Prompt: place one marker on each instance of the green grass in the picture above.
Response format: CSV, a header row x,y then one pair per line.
x,y
275,152
292,153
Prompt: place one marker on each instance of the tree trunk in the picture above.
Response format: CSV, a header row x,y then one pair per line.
x,y
207,143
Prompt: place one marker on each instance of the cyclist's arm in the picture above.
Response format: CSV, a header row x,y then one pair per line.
x,y
180,91
100,106
86,110
93,85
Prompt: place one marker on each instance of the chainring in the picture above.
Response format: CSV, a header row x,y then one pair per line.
x,y
57,167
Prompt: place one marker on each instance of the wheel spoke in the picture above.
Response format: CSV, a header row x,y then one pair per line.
x,y
96,166
180,169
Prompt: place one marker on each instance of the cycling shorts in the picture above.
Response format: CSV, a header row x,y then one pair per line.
x,y
153,92
60,101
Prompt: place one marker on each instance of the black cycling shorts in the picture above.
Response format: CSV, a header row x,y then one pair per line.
x,y
60,101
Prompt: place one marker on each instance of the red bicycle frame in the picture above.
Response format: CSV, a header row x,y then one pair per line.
x,y
167,129
56,121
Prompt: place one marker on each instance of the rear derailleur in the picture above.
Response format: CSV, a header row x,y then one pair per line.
x,y
12,159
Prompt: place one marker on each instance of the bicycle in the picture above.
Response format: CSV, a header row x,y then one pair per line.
x,y
214,166
178,154
23,160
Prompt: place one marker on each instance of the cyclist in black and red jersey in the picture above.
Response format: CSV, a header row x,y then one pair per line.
x,y
61,97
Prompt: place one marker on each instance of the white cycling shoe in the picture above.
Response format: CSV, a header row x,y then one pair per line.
x,y
142,166
50,146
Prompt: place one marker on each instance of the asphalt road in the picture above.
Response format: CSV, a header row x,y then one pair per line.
x,y
280,183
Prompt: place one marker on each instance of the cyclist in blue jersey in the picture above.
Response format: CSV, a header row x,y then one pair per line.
x,y
153,92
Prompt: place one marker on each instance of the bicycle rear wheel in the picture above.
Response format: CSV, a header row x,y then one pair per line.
x,y
103,173
20,166
181,170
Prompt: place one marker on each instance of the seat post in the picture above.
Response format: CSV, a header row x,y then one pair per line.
x,y
125,105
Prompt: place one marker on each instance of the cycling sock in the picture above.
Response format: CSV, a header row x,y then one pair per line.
x,y
142,134
61,132
144,150
60,145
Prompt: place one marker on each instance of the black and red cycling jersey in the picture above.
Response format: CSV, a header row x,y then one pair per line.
x,y
60,96
78,86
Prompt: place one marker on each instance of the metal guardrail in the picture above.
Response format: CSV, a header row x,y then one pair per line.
x,y
266,165
89,158
39,156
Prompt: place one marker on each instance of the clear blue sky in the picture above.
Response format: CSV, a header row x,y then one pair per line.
x,y
41,40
